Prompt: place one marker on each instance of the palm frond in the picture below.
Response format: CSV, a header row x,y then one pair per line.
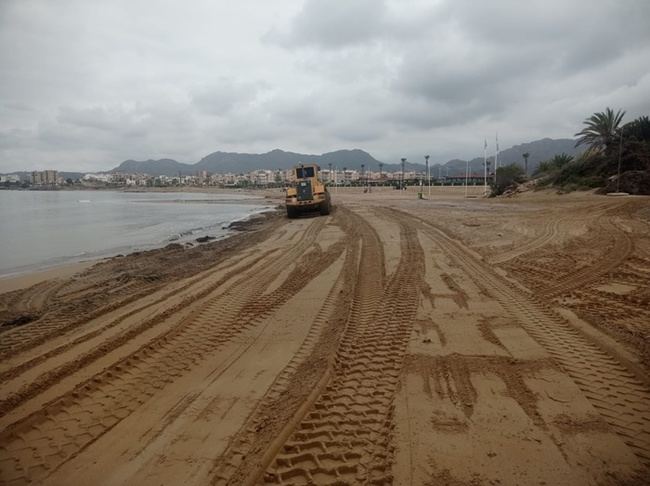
x,y
600,129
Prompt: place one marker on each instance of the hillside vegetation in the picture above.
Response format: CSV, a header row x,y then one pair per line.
x,y
612,149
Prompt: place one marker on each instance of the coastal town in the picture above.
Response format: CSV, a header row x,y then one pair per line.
x,y
53,179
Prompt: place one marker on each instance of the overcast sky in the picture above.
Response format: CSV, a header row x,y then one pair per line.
x,y
87,84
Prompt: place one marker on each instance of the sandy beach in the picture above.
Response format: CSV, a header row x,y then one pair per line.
x,y
10,283
447,340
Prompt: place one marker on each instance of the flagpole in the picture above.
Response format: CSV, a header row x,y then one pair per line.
x,y
485,167
336,182
496,159
466,176
428,175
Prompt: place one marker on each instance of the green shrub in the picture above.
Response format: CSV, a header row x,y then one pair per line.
x,y
553,164
507,176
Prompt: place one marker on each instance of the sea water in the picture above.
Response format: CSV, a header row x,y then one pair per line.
x,y
39,229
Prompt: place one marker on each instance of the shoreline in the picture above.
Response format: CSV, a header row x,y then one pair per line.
x,y
215,216
179,189
24,278
19,281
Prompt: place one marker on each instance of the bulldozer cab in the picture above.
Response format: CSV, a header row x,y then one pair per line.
x,y
305,175
306,172
308,193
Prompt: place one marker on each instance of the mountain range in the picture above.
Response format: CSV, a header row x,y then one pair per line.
x,y
539,150
235,162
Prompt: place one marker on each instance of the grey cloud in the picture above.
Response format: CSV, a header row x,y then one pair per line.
x,y
15,138
116,119
567,36
351,131
224,95
337,25
488,60
18,106
80,88
305,111
333,24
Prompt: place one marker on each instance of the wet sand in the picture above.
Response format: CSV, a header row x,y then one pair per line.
x,y
10,283
448,340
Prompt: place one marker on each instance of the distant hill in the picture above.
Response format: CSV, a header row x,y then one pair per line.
x,y
235,162
539,151
168,167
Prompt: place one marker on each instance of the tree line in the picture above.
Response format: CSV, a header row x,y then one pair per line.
x,y
617,158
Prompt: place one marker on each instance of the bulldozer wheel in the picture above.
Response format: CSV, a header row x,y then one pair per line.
x,y
325,208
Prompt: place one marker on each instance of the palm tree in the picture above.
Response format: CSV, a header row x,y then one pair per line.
x,y
525,155
600,131
555,163
561,160
638,129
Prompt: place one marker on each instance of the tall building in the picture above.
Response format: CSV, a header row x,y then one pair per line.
x,y
44,177
50,176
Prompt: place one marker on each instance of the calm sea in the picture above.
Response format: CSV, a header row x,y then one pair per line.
x,y
39,229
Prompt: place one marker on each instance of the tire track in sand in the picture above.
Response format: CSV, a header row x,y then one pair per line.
x,y
612,258
615,393
61,317
34,333
36,446
301,382
290,389
29,362
551,230
345,436
57,374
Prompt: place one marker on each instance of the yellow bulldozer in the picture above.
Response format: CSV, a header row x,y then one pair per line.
x,y
308,192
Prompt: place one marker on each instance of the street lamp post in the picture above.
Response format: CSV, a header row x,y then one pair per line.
x,y
496,159
402,183
620,152
426,158
525,156
485,168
